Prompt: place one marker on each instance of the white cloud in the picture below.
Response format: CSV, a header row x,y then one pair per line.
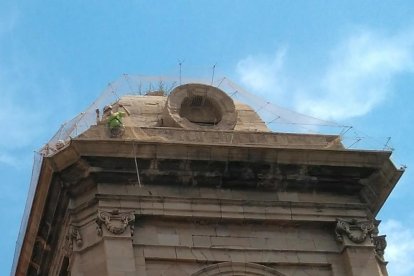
x,y
357,78
263,74
400,245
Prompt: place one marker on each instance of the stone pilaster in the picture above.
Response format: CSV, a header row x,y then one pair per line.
x,y
116,229
358,250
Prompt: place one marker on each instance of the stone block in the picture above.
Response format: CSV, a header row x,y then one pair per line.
x,y
205,209
222,230
326,245
207,192
145,204
110,203
201,241
300,244
254,212
290,257
130,204
118,248
146,235
232,211
231,242
224,194
258,243
115,265
185,239
198,255
202,229
168,239
221,255
89,236
207,253
237,256
288,196
177,205
276,243
278,213
140,260
312,258
160,252
184,254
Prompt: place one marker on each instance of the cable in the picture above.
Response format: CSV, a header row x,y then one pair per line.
x,y
136,166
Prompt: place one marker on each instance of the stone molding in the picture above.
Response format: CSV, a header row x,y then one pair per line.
x,y
116,222
356,231
235,268
285,140
233,209
235,255
380,244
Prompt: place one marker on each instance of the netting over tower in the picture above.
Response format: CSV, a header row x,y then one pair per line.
x,y
278,119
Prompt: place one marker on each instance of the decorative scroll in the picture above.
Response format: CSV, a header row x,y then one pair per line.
x,y
380,244
115,221
356,231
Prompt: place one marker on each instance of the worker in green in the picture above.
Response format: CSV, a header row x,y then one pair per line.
x,y
114,120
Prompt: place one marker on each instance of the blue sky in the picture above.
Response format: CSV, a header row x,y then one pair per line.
x,y
348,61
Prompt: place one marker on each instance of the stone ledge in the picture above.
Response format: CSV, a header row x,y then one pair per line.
x,y
236,138
233,209
282,257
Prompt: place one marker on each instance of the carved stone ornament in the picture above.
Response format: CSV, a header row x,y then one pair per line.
x,y
115,221
380,244
73,236
356,231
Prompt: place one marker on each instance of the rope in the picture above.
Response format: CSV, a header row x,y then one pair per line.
x,y
357,140
221,82
113,91
136,166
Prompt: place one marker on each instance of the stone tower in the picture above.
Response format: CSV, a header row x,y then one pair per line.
x,y
194,183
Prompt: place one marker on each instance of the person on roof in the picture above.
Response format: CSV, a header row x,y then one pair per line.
x,y
114,120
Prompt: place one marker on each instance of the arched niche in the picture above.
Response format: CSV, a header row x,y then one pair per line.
x,y
237,269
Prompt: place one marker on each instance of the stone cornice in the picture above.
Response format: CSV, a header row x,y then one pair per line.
x,y
378,187
229,152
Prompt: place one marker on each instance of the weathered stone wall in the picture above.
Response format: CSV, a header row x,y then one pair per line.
x,y
199,244
188,230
